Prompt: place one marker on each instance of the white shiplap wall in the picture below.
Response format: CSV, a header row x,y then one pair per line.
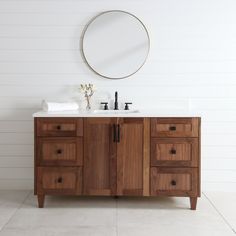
x,y
191,66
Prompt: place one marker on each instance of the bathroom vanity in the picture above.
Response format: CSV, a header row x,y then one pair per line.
x,y
117,155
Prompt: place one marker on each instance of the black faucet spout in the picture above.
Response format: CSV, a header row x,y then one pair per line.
x,y
116,101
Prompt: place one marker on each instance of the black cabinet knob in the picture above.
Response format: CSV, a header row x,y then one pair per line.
x,y
59,180
172,151
172,128
59,151
58,127
173,182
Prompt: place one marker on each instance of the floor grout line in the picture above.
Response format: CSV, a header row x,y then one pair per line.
x,y
221,215
17,209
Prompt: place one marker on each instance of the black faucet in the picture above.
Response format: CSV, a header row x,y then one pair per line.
x,y
116,101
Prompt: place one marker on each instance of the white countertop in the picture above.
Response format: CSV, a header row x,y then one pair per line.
x,y
141,113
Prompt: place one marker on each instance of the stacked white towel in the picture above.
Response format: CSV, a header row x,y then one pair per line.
x,y
59,106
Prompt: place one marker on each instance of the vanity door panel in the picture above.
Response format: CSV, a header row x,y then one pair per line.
x,y
132,156
99,156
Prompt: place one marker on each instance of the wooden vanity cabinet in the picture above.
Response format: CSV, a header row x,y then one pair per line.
x,y
99,156
175,157
114,155
133,157
117,156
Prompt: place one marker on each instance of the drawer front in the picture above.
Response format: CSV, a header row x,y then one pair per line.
x,y
174,152
54,180
60,151
59,127
174,181
174,127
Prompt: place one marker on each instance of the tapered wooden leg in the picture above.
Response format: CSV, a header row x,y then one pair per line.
x,y
41,198
193,203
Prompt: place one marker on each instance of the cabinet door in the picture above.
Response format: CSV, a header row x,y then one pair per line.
x,y
99,156
133,156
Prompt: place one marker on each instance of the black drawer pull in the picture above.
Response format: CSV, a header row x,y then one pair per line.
x,y
114,133
58,127
59,180
173,182
172,151
59,151
118,133
172,128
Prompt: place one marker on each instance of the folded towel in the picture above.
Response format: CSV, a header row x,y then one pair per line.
x,y
59,106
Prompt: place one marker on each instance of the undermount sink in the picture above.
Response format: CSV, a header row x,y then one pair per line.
x,y
115,111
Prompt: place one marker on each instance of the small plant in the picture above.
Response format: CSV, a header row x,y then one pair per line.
x,y
88,91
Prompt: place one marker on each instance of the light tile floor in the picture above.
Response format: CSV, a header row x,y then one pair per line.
x,y
100,216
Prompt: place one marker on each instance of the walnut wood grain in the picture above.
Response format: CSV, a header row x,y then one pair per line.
x,y
61,127
41,198
146,157
174,152
174,127
99,156
130,156
174,181
60,151
193,203
199,157
35,155
59,180
80,127
71,152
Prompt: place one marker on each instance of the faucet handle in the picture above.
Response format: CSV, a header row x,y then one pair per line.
x,y
105,105
127,105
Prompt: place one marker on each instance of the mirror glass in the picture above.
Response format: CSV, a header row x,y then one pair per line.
x,y
115,44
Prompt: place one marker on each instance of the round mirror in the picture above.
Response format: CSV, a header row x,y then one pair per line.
x,y
115,44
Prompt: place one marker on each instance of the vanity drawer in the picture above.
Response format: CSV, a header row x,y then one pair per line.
x,y
59,127
174,127
174,152
54,180
60,151
174,181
